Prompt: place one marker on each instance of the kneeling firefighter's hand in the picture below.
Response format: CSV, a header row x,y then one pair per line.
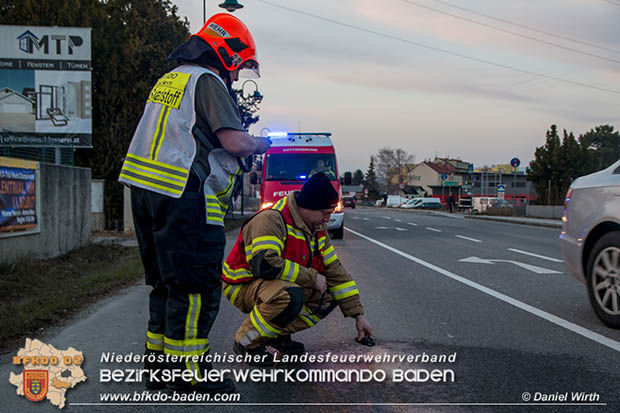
x,y
363,327
320,284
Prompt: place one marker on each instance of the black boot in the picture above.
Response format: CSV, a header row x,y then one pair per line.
x,y
157,383
285,345
260,356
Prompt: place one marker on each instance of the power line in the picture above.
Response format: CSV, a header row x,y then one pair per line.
x,y
559,36
475,59
612,2
412,3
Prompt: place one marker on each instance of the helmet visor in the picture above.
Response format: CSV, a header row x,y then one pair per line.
x,y
249,69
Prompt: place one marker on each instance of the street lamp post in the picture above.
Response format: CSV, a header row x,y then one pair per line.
x,y
255,95
231,5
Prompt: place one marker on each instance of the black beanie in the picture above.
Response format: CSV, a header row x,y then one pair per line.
x,y
317,193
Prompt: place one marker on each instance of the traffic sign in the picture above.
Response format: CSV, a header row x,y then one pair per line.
x,y
401,186
449,183
501,188
470,168
515,162
444,177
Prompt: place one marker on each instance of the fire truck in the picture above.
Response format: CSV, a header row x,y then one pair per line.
x,y
290,161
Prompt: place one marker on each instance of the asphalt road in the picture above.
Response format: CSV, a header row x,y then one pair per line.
x,y
494,296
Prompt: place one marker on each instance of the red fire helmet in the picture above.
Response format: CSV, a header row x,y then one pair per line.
x,y
233,43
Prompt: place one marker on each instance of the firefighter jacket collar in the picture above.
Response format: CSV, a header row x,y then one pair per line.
x,y
297,218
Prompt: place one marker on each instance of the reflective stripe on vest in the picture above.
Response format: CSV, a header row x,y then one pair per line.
x,y
154,174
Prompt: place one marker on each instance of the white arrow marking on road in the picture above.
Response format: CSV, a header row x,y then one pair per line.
x,y
400,229
411,223
534,255
476,260
433,229
575,328
530,267
467,238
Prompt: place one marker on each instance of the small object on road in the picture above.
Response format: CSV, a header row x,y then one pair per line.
x,y
367,341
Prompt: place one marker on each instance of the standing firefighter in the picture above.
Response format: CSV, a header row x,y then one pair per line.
x,y
284,272
181,166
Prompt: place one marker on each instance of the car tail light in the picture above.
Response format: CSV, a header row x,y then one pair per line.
x,y
338,207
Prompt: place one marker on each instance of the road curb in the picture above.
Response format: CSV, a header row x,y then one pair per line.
x,y
547,224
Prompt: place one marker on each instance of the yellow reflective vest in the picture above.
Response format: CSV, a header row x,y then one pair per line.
x,y
163,148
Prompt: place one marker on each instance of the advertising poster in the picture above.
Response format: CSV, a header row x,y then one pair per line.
x,y
45,86
17,195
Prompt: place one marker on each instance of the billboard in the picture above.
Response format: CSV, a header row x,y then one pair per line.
x,y
18,195
45,86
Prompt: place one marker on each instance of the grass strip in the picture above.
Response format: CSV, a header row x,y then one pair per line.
x,y
36,294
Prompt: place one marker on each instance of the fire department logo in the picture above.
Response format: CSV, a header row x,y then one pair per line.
x,y
48,373
36,384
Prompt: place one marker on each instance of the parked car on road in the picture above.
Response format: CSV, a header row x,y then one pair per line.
x,y
591,239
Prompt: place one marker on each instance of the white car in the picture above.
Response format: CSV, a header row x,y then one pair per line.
x,y
591,239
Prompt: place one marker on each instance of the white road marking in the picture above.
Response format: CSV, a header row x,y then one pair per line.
x,y
467,238
433,229
381,227
387,217
529,267
412,223
397,220
400,229
575,328
534,255
366,219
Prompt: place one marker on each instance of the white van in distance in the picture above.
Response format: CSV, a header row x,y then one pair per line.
x,y
423,203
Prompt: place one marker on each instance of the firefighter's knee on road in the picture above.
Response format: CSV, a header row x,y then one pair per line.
x,y
295,302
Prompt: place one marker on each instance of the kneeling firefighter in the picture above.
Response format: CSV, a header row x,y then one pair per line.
x,y
181,165
284,272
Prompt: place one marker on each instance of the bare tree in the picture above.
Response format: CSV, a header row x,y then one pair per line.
x,y
393,165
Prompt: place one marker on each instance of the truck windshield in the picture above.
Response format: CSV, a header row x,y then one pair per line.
x,y
299,167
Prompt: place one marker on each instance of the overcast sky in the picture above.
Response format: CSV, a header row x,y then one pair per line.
x,y
410,77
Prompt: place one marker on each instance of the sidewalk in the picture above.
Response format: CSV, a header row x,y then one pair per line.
x,y
538,222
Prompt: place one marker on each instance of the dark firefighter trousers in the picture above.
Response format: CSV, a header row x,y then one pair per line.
x,y
182,258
